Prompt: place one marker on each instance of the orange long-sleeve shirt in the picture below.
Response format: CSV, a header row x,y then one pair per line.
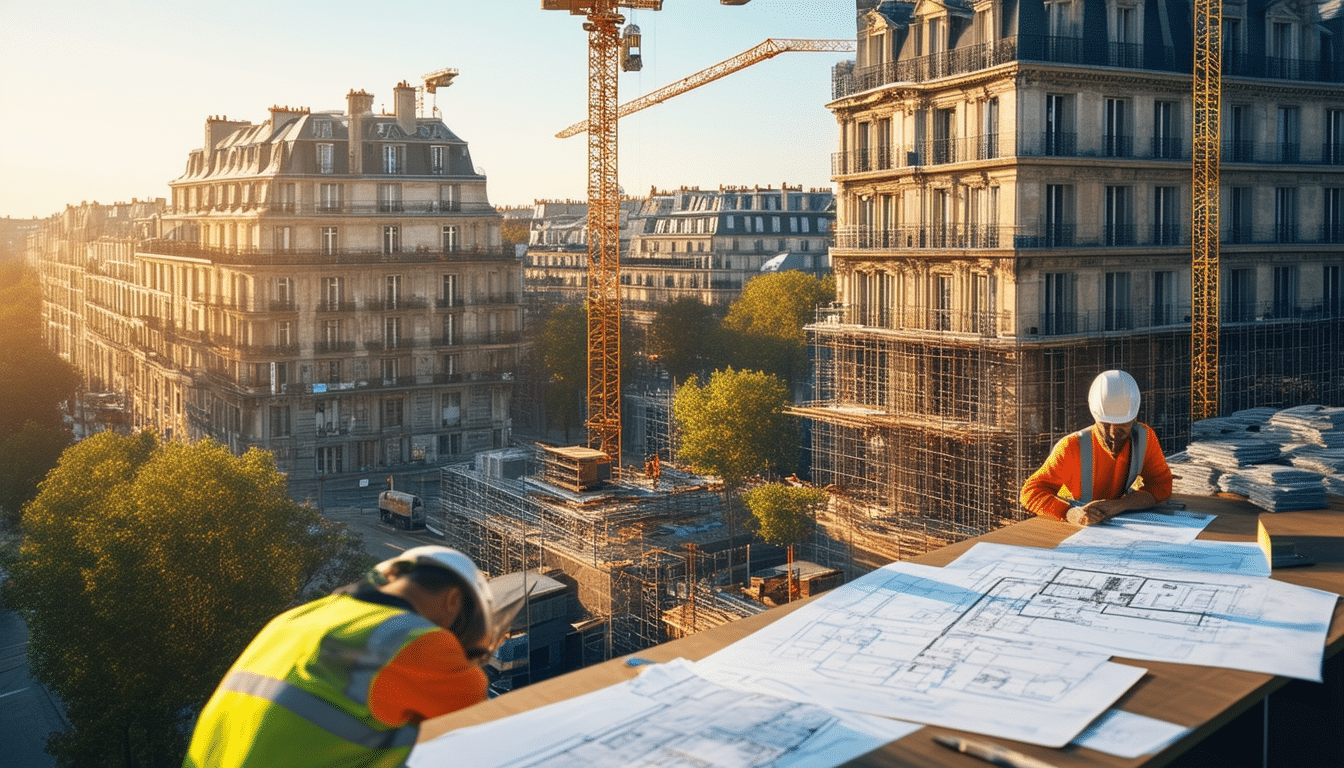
x,y
1063,471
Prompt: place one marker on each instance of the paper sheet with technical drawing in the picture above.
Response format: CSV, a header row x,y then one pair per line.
x,y
1176,527
897,643
1127,603
667,717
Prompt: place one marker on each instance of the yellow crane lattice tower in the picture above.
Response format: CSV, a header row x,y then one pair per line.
x,y
1204,243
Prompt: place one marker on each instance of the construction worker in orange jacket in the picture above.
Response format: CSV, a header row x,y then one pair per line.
x,y
347,679
1090,475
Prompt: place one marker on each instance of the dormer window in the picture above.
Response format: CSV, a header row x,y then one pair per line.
x,y
322,129
392,158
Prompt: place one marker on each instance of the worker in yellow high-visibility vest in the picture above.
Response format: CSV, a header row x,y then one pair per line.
x,y
347,679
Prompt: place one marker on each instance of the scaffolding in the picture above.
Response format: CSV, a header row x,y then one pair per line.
x,y
623,546
925,437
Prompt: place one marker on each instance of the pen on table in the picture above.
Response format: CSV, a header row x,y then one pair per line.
x,y
991,753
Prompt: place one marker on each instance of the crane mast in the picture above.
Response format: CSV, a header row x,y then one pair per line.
x,y
1204,242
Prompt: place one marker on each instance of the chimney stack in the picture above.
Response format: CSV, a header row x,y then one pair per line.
x,y
404,101
360,103
216,128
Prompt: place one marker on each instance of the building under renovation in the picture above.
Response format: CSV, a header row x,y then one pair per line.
x,y
645,552
1014,191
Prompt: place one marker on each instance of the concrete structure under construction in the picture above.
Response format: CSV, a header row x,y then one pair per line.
x,y
635,552
1014,187
331,287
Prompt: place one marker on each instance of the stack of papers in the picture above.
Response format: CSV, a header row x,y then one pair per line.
x,y
1230,454
1315,424
1194,479
1276,489
1327,461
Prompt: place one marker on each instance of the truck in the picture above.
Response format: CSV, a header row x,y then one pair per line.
x,y
401,510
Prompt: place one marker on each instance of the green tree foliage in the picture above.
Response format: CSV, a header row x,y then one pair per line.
x,y
766,322
33,383
784,514
686,337
735,425
145,569
564,345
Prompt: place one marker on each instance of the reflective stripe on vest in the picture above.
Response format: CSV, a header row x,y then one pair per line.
x,y
319,712
1138,446
383,643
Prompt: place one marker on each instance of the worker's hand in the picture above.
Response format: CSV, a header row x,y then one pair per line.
x,y
1095,512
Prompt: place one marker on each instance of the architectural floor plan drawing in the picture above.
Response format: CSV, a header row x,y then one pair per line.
x,y
896,643
670,718
1122,602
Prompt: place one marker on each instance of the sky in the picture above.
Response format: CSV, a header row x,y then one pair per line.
x,y
103,101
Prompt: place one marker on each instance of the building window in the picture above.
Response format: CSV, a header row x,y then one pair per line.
x,y
389,198
450,366
1057,315
1239,288
391,239
280,426
944,151
1115,301
1240,227
1164,298
1287,132
1166,137
449,329
1059,139
329,197
392,291
330,371
451,414
326,158
1282,60
449,238
1119,220
390,368
284,293
331,335
329,240
284,239
392,412
1116,139
1166,216
333,292
989,143
449,197
1059,221
1285,291
1285,215
392,332
284,333
1332,222
438,159
392,157
450,297
1332,292
1334,137
1126,50
1238,145
942,303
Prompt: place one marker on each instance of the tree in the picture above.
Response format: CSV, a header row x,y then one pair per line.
x,y
785,516
145,569
564,344
33,383
735,427
767,321
685,336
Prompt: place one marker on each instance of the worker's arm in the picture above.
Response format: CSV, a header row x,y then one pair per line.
x,y
1156,487
1040,494
430,676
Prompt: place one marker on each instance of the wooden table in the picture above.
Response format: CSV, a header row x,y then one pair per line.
x,y
1205,699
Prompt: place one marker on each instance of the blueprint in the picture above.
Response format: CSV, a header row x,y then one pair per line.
x,y
670,718
1127,603
1125,734
906,641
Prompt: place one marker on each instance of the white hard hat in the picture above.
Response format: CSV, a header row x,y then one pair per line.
x,y
486,627
1114,398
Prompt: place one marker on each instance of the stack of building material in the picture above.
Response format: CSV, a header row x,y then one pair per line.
x,y
1236,425
1314,424
1192,478
1327,461
1277,489
1334,484
1230,454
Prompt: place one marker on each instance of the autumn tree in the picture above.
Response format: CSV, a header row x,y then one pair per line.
x,y
145,569
685,336
735,426
785,516
34,382
765,324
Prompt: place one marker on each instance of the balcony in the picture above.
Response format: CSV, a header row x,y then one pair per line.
x,y
335,306
342,256
330,347
395,305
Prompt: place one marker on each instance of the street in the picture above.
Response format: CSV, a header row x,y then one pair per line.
x,y
28,713
341,499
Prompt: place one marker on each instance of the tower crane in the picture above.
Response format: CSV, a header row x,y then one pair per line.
x,y
768,49
603,21
1206,150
